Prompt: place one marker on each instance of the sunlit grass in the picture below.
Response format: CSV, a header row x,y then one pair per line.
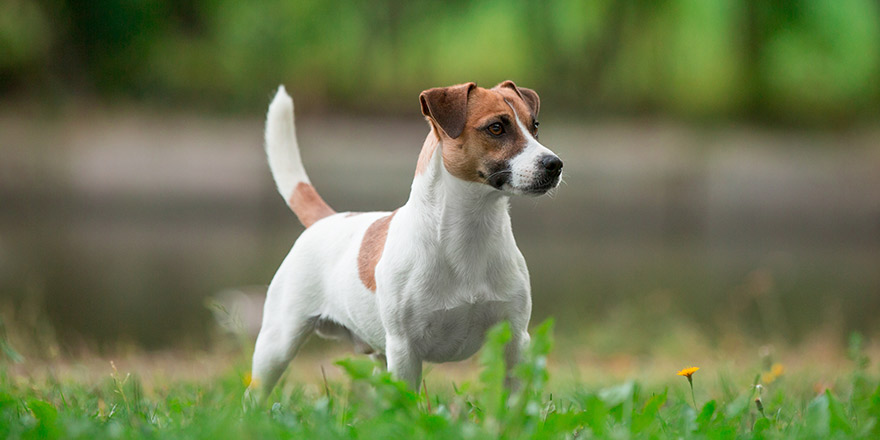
x,y
364,404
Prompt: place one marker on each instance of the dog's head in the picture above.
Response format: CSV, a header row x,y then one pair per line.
x,y
490,136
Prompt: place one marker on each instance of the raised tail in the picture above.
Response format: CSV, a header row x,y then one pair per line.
x,y
282,150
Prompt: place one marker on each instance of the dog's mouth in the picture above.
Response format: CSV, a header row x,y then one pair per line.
x,y
499,178
502,180
537,188
496,179
542,186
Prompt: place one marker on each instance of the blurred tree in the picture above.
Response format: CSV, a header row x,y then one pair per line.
x,y
809,61
25,37
819,59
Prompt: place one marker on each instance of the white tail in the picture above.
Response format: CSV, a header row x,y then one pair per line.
x,y
281,146
287,167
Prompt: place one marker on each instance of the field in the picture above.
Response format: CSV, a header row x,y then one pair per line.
x,y
720,212
660,253
351,400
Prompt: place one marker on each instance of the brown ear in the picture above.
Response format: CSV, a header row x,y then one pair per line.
x,y
528,95
531,99
447,106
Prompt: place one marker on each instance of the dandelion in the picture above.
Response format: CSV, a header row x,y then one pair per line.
x,y
688,373
774,373
777,370
758,402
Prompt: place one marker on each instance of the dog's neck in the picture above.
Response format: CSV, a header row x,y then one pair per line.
x,y
460,214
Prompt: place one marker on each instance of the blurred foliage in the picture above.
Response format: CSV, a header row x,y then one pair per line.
x,y
806,61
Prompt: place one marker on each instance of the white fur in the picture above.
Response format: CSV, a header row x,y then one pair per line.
x,y
525,166
282,148
450,270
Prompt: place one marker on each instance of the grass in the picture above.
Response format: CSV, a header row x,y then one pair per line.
x,y
365,404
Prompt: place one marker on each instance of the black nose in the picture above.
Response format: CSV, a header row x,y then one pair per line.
x,y
551,163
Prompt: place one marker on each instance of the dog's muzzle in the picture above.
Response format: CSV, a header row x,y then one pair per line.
x,y
551,170
552,166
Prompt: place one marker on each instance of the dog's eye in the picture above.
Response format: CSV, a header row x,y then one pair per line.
x,y
496,129
535,125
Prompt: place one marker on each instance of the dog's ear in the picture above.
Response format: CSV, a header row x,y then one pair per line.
x,y
528,95
447,106
531,99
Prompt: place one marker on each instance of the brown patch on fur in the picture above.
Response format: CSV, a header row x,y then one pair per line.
x,y
447,106
371,250
308,206
528,95
427,151
475,155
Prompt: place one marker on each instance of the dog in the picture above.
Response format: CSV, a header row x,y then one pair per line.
x,y
426,281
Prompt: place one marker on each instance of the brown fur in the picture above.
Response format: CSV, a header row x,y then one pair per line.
x,y
445,104
528,95
308,206
474,154
371,250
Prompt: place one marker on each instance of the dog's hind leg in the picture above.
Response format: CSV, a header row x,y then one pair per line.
x,y
276,347
288,321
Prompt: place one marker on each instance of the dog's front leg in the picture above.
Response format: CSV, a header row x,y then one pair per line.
x,y
513,352
403,361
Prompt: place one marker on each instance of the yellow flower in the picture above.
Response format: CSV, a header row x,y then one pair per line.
x,y
688,372
777,370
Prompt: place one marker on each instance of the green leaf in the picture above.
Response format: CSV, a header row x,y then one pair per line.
x,y
7,401
595,414
357,369
542,339
649,412
556,423
874,410
494,370
47,418
837,415
761,425
818,416
875,402
855,350
705,416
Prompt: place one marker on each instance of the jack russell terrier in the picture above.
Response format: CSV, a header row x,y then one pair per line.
x,y
424,282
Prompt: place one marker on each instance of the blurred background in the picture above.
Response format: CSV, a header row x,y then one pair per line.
x,y
722,158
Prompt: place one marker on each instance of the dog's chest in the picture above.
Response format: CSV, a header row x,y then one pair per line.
x,y
457,333
444,295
